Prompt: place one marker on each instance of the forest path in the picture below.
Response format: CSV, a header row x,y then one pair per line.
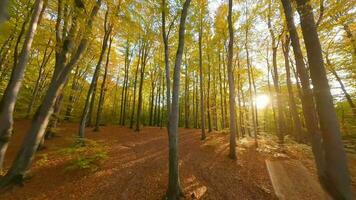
x,y
137,167
292,181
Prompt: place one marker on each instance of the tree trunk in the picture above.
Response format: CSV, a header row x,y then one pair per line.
x,y
307,97
166,58
337,179
93,84
174,189
281,119
145,51
202,109
208,97
35,133
7,104
298,132
233,131
221,95
135,88
103,89
186,93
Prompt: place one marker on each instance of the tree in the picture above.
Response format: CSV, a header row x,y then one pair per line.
x,y
174,189
103,88
233,128
307,98
337,178
7,104
108,28
36,132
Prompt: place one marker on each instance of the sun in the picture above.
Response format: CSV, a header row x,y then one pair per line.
x,y
262,101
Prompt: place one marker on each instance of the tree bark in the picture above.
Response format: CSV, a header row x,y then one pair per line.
x,y
35,133
202,109
298,132
337,179
85,114
103,89
307,97
135,88
233,130
7,104
174,189
281,119
145,51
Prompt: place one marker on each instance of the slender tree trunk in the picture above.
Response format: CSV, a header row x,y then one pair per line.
x,y
74,89
221,95
337,179
233,131
292,104
225,92
103,89
7,103
93,84
250,78
135,87
202,110
186,93
145,51
174,189
307,97
166,58
54,118
35,133
281,119
208,97
152,102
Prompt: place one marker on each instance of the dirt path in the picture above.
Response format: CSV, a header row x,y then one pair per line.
x,y
136,168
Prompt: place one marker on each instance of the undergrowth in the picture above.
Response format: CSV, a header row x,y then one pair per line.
x,y
85,154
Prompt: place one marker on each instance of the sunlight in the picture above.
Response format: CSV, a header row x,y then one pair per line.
x,y
262,101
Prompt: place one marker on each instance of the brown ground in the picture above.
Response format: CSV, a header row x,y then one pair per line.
x,y
137,163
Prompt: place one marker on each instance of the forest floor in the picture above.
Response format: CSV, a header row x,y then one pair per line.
x,y
118,163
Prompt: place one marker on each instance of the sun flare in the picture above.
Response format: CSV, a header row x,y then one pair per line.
x,y
262,101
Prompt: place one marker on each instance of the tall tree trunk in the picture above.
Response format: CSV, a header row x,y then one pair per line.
x,y
221,95
174,189
233,131
35,133
54,117
307,97
337,179
292,104
7,103
250,78
126,81
202,104
74,88
165,36
93,84
186,93
281,119
135,88
145,51
208,97
103,89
